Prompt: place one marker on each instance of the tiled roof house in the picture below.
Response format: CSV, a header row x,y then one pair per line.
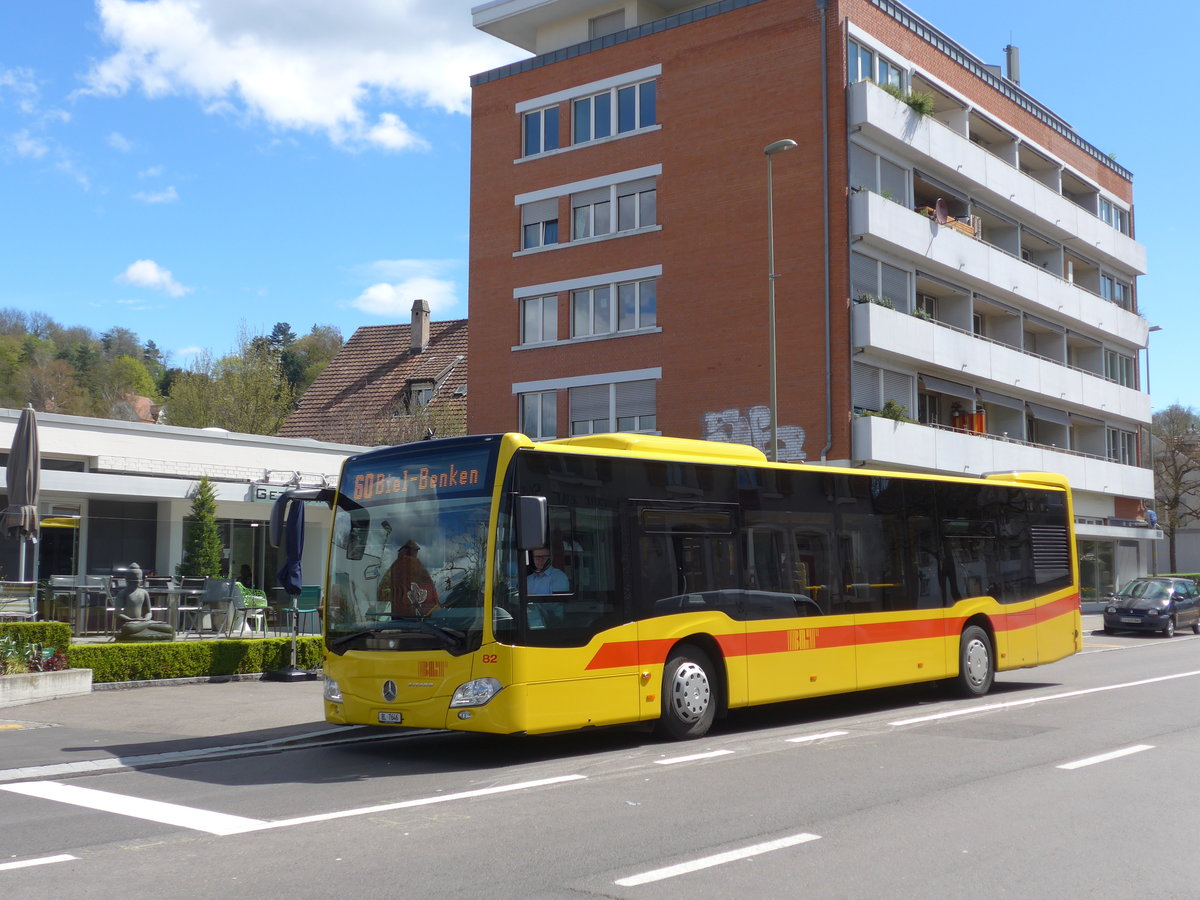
x,y
389,384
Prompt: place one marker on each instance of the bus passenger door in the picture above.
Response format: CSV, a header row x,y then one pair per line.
x,y
795,648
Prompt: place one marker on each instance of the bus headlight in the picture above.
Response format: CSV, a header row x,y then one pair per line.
x,y
333,693
475,693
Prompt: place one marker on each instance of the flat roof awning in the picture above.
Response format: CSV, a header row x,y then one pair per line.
x,y
1046,414
1000,400
941,386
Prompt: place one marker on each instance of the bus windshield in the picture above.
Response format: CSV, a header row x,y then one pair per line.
x,y
406,569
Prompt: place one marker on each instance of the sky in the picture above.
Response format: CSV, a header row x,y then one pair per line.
x,y
196,169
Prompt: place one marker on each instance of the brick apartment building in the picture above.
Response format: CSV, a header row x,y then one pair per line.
x,y
971,262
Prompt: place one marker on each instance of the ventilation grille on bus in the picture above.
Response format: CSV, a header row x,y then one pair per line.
x,y
1051,551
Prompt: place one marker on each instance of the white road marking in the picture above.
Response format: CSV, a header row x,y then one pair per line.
x,y
718,859
425,801
816,737
223,824
1013,704
694,756
1105,757
137,808
43,861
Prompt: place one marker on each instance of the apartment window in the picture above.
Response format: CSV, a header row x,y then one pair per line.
x,y
1119,368
861,63
1115,216
889,73
616,111
539,224
541,130
871,387
593,311
1116,291
609,23
874,280
872,172
539,412
539,320
926,307
623,406
1122,446
637,303
929,408
636,206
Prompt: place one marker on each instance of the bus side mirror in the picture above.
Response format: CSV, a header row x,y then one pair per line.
x,y
532,523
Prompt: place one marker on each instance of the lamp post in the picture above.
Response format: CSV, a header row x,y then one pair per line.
x,y
770,150
1150,451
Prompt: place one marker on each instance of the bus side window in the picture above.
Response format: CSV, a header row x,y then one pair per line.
x,y
811,574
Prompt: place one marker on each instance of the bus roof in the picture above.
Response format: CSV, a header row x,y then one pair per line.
x,y
655,444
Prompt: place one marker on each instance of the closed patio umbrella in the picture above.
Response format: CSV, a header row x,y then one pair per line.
x,y
20,518
288,517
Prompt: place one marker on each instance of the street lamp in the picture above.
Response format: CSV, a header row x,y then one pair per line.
x,y
770,150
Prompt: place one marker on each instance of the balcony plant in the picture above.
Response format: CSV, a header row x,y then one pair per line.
x,y
920,102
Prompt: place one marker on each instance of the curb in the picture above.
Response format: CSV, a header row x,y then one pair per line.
x,y
199,679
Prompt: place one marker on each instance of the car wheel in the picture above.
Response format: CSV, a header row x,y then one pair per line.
x,y
1196,627
1169,628
976,664
1108,630
689,694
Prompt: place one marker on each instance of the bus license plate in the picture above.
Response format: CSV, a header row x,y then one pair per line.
x,y
1130,620
390,718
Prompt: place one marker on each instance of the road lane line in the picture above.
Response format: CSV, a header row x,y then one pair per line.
x,y
718,859
816,737
43,861
1013,704
692,757
137,808
1105,757
424,801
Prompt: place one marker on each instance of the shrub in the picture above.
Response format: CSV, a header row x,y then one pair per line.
x,y
192,659
53,635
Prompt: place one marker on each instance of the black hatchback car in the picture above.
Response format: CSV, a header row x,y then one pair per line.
x,y
1159,603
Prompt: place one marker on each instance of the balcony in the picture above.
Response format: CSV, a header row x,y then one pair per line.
x,y
951,156
945,252
888,443
937,349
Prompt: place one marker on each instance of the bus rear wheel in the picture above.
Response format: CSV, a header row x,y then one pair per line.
x,y
976,663
689,700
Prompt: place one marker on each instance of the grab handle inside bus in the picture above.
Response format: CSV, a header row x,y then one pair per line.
x,y
533,526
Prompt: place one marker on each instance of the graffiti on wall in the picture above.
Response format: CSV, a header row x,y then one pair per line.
x,y
753,427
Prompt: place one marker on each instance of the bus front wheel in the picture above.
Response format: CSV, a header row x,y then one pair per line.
x,y
689,701
976,664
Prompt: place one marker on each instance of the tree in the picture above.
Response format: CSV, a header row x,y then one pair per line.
x,y
202,540
306,358
1175,458
120,342
244,392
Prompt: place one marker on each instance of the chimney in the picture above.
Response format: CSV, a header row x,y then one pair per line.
x,y
1012,58
420,326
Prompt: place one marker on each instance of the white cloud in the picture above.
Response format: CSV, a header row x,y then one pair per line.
x,y
152,172
168,196
406,280
308,65
29,145
21,84
149,274
118,141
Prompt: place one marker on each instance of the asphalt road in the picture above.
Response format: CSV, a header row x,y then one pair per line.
x,y
1069,780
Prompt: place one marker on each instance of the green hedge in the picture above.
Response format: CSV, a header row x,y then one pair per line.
x,y
192,659
56,635
1195,576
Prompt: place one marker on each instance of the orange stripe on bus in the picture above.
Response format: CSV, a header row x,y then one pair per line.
x,y
628,654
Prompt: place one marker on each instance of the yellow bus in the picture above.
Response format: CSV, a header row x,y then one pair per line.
x,y
675,580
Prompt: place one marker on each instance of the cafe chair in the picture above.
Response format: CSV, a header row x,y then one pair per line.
x,y
250,608
18,600
307,610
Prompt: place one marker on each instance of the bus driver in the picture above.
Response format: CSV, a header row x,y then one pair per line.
x,y
545,579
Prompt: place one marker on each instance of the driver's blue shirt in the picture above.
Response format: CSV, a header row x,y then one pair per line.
x,y
549,581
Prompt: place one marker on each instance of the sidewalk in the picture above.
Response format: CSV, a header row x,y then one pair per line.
x,y
111,725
